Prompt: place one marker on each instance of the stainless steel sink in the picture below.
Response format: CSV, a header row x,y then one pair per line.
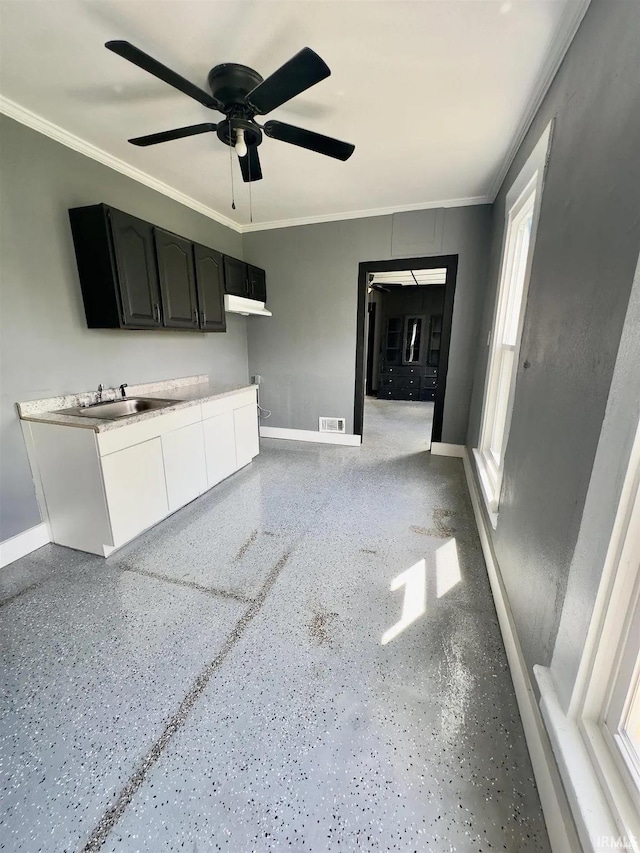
x,y
112,410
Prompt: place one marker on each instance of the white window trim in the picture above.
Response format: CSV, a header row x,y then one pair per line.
x,y
605,810
529,181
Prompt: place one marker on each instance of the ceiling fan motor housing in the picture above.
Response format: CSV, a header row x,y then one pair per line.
x,y
230,83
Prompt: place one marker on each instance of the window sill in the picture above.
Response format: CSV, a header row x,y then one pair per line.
x,y
486,488
595,822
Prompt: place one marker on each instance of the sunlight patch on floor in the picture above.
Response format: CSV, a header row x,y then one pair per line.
x,y
447,568
414,605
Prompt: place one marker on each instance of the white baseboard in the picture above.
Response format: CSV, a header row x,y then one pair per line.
x,y
23,543
439,448
557,814
310,435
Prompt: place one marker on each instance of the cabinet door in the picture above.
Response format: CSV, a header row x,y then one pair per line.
x,y
135,488
246,429
177,281
257,283
137,272
235,277
210,286
219,447
184,465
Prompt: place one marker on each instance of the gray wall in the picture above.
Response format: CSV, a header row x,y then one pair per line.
x,y
583,266
46,347
610,467
306,352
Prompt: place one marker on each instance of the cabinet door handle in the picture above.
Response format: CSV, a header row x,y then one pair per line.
x,y
204,318
195,315
156,309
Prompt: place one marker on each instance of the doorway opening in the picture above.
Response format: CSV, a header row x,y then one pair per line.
x,y
405,309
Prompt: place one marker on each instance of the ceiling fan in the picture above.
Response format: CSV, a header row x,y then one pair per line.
x,y
240,93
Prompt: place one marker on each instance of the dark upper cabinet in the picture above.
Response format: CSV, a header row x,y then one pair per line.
x,y
245,280
137,272
210,287
177,281
257,283
134,275
235,277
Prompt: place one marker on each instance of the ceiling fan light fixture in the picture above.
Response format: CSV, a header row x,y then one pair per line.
x,y
241,145
240,93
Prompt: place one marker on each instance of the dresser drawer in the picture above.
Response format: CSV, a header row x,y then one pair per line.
x,y
430,382
388,393
430,371
399,393
428,394
387,381
403,370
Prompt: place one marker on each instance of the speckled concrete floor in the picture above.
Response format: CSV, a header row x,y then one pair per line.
x,y
305,659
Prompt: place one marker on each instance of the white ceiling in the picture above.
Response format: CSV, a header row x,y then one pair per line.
x,y
434,93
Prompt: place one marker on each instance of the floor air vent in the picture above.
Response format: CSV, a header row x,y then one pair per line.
x,y
332,424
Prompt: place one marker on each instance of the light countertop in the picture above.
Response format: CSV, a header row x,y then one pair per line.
x,y
187,391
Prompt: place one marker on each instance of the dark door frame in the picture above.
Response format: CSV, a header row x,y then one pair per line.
x,y
450,262
371,314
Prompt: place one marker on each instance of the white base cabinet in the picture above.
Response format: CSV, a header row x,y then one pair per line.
x,y
219,447
184,465
135,490
246,437
100,490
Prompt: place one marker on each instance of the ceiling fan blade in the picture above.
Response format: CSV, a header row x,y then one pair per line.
x,y
127,51
250,165
308,139
303,70
168,135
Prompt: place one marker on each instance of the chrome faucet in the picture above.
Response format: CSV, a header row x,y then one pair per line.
x,y
99,393
122,391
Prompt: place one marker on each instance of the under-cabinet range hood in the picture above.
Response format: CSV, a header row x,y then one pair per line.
x,y
240,305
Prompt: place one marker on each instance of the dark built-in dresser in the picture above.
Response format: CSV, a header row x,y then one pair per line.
x,y
410,357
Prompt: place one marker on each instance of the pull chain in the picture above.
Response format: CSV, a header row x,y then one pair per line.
x,y
233,198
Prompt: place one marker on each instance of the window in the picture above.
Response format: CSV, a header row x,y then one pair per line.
x,y
607,709
596,741
523,206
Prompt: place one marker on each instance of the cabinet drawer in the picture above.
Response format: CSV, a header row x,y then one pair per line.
x,y
430,371
399,381
430,382
403,370
428,394
399,393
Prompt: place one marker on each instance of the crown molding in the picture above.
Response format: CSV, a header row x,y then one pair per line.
x,y
54,131
363,214
556,54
